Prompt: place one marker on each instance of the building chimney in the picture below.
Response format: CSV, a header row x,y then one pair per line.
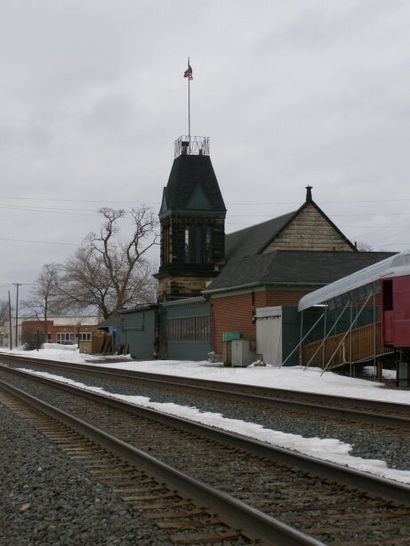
x,y
309,194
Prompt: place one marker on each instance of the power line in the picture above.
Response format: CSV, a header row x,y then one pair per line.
x,y
338,202
154,203
62,200
87,212
267,215
42,242
370,214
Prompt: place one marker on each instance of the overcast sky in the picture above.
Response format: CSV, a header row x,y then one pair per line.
x,y
290,93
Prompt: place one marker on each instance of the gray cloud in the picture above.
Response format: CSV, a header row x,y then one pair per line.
x,y
291,93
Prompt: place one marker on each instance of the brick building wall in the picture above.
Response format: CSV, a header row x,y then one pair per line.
x,y
286,298
234,313
57,333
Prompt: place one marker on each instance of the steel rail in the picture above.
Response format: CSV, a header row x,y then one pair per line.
x,y
235,390
348,476
253,523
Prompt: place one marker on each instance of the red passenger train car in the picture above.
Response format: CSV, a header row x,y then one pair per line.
x,y
392,277
396,312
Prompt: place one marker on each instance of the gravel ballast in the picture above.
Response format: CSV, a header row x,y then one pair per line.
x,y
273,487
367,440
47,499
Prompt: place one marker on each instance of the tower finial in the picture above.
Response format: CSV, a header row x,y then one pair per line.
x,y
309,194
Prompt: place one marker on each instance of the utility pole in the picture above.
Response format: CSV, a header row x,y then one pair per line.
x,y
10,326
17,285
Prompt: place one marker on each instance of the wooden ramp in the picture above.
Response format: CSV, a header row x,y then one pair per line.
x,y
363,344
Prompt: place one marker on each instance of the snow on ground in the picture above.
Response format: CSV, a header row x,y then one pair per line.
x,y
329,449
51,351
289,377
64,353
387,374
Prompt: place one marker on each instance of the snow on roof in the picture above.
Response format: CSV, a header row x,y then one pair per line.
x,y
394,266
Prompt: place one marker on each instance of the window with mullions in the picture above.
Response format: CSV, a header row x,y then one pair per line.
x,y
188,329
64,337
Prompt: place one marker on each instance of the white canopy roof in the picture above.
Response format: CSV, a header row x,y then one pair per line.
x,y
394,266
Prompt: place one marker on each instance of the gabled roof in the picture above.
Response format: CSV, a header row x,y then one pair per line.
x,y
292,267
192,185
254,239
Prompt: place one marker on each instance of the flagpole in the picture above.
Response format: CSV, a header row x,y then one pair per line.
x,y
189,110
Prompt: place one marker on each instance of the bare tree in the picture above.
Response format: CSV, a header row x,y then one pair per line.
x,y
108,272
42,297
4,311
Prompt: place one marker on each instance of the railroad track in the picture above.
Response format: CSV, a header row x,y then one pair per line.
x,y
354,409
332,504
171,499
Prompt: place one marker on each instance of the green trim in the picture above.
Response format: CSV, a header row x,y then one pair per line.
x,y
199,200
164,206
187,342
260,287
184,301
193,212
221,292
141,309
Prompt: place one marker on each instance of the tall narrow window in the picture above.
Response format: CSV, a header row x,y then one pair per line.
x,y
208,245
191,244
198,253
388,295
166,237
198,244
186,245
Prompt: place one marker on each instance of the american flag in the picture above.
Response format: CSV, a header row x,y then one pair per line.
x,y
188,73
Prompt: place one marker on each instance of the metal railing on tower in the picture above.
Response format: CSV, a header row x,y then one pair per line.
x,y
193,145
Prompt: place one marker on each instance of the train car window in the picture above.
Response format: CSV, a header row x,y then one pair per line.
x,y
388,295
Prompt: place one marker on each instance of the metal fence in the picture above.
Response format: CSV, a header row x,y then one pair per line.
x,y
191,145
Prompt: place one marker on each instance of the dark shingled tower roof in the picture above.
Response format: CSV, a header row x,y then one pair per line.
x,y
188,174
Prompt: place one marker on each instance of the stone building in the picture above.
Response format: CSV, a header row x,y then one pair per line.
x,y
247,283
271,265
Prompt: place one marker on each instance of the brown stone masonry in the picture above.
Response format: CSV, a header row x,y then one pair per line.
x,y
309,231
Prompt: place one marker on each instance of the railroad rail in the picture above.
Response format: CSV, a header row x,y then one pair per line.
x,y
333,504
169,497
355,409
